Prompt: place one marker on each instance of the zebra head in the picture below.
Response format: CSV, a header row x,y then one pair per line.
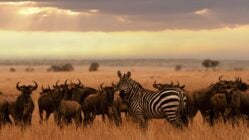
x,y
124,84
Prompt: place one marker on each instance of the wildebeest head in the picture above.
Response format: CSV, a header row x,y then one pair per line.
x,y
45,90
64,90
242,86
109,92
26,90
229,88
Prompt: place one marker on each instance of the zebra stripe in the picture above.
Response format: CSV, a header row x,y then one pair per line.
x,y
145,104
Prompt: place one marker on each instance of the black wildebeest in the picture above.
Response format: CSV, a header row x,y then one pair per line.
x,y
24,105
97,104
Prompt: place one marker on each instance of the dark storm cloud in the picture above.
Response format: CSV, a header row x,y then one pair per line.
x,y
159,14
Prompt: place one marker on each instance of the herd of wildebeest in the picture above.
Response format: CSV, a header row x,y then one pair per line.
x,y
73,102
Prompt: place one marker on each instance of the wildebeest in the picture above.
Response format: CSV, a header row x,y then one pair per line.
x,y
97,104
66,109
216,99
199,100
119,106
24,105
3,109
219,104
45,103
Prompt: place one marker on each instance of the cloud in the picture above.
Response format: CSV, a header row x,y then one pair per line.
x,y
120,15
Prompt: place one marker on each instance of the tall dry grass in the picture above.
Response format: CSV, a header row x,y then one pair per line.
x,y
158,129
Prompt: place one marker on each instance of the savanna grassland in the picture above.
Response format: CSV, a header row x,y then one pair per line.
x,y
158,129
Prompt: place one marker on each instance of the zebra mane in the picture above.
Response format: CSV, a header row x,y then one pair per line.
x,y
138,84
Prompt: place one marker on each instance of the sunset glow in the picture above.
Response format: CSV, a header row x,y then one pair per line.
x,y
77,29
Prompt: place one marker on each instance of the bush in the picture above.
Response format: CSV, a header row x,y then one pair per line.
x,y
12,69
29,69
57,68
208,63
178,67
94,66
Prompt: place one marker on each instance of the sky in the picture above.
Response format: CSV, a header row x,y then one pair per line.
x,y
96,29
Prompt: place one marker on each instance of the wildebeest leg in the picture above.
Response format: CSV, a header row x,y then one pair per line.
x,y
8,120
92,116
77,119
47,116
56,117
86,118
235,117
117,117
206,116
212,117
41,116
59,120
103,117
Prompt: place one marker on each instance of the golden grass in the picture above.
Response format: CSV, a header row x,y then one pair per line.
x,y
158,129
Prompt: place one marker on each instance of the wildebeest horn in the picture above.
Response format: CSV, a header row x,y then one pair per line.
x,y
220,78
56,84
35,87
182,87
66,82
79,82
178,84
101,86
155,84
113,84
172,83
18,87
42,87
49,87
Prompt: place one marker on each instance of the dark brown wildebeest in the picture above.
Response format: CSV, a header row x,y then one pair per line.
x,y
24,105
199,100
238,98
97,104
45,103
219,103
66,110
4,115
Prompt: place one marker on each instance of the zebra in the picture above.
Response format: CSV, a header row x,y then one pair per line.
x,y
143,104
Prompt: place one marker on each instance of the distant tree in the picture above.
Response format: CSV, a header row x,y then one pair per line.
x,y
12,69
57,68
208,63
178,67
214,64
67,67
29,69
94,66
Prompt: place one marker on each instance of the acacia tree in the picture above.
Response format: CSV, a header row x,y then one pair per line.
x,y
208,63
